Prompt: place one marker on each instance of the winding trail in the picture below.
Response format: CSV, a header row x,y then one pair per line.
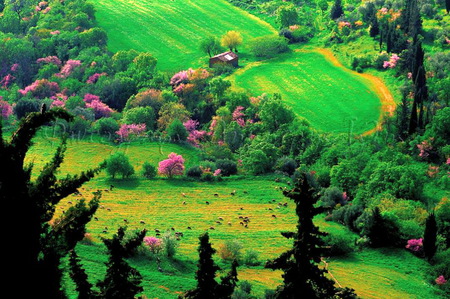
x,y
387,100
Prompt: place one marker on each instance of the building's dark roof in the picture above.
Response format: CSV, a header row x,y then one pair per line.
x,y
226,56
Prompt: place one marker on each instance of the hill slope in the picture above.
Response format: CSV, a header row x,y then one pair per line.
x,y
172,29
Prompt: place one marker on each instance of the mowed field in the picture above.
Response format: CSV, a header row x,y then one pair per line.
x,y
172,29
331,98
159,203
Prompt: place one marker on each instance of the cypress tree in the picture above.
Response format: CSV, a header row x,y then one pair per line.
x,y
302,276
37,254
447,6
206,284
420,88
337,11
430,236
374,28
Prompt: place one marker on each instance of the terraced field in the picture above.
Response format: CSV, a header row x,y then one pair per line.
x,y
330,97
172,29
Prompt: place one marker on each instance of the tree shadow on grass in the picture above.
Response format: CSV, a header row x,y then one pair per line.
x,y
127,184
180,182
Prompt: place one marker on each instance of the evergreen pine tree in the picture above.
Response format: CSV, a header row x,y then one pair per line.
x,y
206,273
207,286
79,276
302,276
121,280
429,237
337,11
37,254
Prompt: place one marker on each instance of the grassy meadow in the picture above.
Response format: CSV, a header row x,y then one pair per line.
x,y
172,29
332,99
159,203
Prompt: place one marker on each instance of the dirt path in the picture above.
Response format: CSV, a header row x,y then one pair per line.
x,y
386,98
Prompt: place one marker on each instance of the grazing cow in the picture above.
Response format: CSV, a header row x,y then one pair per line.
x,y
241,223
218,222
125,220
189,227
229,223
240,217
233,193
142,222
220,218
246,225
245,192
285,204
241,208
212,227
172,228
96,218
108,209
184,202
270,209
69,202
274,216
157,234
183,194
207,202
157,230
104,231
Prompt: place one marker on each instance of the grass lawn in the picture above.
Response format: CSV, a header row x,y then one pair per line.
x,y
172,29
159,203
331,98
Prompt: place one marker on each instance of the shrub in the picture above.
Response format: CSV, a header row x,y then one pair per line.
x,y
176,131
227,166
286,165
140,115
194,172
119,164
154,244
268,46
106,126
205,165
169,243
331,197
251,258
340,243
230,250
148,170
25,106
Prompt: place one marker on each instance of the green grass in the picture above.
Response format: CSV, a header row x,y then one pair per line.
x,y
172,30
159,203
331,98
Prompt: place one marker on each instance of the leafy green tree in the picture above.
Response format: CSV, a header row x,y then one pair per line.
x,y
148,170
106,126
302,277
210,45
218,86
287,15
233,136
430,237
38,255
140,115
231,40
119,164
274,113
176,131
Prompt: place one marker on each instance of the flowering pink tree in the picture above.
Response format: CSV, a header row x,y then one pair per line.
x,y
68,68
126,132
172,166
41,89
94,78
7,80
100,108
238,116
441,280
425,148
415,245
5,109
194,135
50,60
392,62
153,243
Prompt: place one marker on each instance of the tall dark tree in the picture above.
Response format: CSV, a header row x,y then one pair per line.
x,y
121,280
207,286
37,254
420,88
374,27
302,277
447,6
430,236
337,11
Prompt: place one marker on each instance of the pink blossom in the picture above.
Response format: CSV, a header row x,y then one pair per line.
x,y
172,166
69,67
344,196
56,32
415,245
425,148
127,131
384,10
409,75
195,137
94,78
238,116
88,98
447,40
392,61
180,77
179,89
46,10
50,59
153,243
58,103
220,143
43,4
217,172
14,67
252,136
191,125
41,89
5,108
100,109
448,161
7,80
441,280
